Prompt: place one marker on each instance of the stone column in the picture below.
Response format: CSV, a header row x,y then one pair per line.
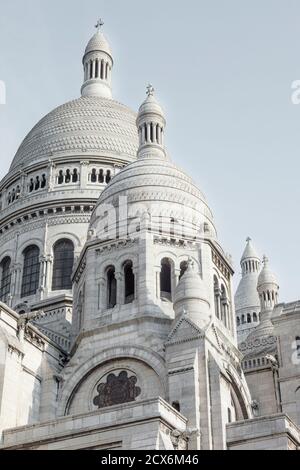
x,y
43,267
120,287
157,283
102,294
148,133
23,184
48,273
16,280
176,276
51,175
134,271
84,166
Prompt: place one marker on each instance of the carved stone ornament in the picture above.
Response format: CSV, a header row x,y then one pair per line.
x,y
116,390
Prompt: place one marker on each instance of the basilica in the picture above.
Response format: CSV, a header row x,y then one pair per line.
x,y
119,327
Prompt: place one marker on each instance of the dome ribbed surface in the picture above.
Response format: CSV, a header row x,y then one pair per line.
x,y
151,174
157,183
150,106
98,43
87,124
246,295
249,252
190,286
267,277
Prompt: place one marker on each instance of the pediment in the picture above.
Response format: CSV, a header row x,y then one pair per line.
x,y
184,330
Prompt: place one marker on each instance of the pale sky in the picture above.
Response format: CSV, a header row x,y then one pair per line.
x,y
222,71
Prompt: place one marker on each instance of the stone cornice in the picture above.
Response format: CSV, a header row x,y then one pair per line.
x,y
43,217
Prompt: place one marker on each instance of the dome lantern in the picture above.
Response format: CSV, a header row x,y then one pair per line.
x,y
97,65
151,126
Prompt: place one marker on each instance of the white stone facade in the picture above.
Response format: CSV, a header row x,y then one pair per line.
x,y
118,326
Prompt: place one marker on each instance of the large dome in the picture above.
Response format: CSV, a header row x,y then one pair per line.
x,y
90,124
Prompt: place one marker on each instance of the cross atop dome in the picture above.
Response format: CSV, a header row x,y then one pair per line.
x,y
150,90
265,260
99,24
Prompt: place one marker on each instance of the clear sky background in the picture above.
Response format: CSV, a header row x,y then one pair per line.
x,y
222,71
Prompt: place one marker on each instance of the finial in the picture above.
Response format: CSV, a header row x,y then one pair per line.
x,y
265,260
99,24
150,90
248,239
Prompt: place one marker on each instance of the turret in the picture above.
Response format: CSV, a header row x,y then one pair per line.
x,y
247,305
267,287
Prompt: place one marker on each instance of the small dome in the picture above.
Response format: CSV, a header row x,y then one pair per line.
x,y
266,276
98,43
150,106
191,297
190,286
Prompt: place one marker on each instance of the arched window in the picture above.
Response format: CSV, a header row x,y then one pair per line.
x,y
5,278
31,185
108,177
111,288
68,176
183,268
93,176
298,345
31,270
243,319
254,317
237,321
128,282
217,296
176,405
60,178
37,183
43,182
165,279
229,419
224,306
100,176
248,318
63,252
75,176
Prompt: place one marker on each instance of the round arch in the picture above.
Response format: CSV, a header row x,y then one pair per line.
x,y
150,358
